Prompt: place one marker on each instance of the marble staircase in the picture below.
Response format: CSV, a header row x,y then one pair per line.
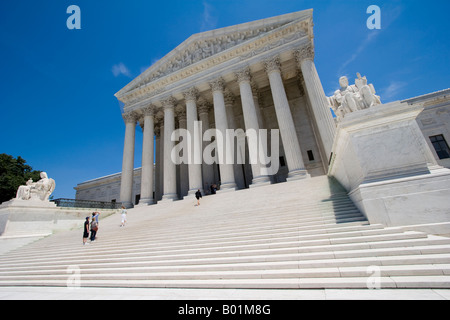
x,y
300,234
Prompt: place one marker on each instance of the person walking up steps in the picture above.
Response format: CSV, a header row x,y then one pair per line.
x,y
124,216
198,195
94,227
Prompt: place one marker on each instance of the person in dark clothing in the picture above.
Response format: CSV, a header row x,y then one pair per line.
x,y
198,195
86,231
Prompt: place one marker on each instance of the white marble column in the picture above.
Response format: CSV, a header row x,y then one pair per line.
x,y
286,125
319,104
126,184
158,165
183,168
170,172
220,114
207,169
251,122
256,98
195,152
147,175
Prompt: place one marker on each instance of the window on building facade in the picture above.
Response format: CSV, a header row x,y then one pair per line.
x,y
310,155
282,162
441,146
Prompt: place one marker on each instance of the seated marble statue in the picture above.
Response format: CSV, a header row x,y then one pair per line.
x,y
40,190
24,191
351,98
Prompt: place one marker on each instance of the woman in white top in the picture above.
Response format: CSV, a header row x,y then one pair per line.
x,y
124,216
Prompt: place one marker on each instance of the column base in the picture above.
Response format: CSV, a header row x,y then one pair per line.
x,y
127,204
169,197
298,174
260,181
230,186
145,202
191,193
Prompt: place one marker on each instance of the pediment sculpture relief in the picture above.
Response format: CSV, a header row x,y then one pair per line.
x,y
203,49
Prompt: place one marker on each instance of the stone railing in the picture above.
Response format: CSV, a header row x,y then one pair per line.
x,y
72,203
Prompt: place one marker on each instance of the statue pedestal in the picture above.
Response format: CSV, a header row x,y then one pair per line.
x,y
383,160
28,203
27,217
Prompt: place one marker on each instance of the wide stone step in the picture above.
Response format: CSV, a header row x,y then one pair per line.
x,y
103,248
384,271
131,265
303,283
220,258
147,235
305,240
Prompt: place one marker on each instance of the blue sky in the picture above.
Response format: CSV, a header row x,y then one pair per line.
x,y
58,106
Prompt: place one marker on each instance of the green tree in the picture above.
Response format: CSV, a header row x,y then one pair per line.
x,y
14,173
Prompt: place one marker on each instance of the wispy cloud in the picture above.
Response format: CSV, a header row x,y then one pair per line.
x,y
209,21
392,91
371,36
120,69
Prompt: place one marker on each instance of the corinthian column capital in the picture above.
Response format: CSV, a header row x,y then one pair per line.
x,y
169,102
243,75
191,94
203,106
304,53
229,97
272,64
217,84
130,117
149,110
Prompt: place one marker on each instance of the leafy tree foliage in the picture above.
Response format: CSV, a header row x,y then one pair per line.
x,y
14,173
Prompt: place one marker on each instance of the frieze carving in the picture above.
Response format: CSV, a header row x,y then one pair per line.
x,y
271,45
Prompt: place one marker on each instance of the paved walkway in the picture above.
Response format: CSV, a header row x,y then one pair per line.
x,y
49,293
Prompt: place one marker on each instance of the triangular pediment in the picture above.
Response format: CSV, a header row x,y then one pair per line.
x,y
204,45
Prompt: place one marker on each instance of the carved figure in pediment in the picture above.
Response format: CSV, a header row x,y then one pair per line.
x,y
207,50
198,53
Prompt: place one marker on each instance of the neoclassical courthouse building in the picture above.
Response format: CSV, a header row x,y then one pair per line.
x,y
256,75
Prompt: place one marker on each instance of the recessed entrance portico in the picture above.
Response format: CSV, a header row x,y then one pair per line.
x,y
257,75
